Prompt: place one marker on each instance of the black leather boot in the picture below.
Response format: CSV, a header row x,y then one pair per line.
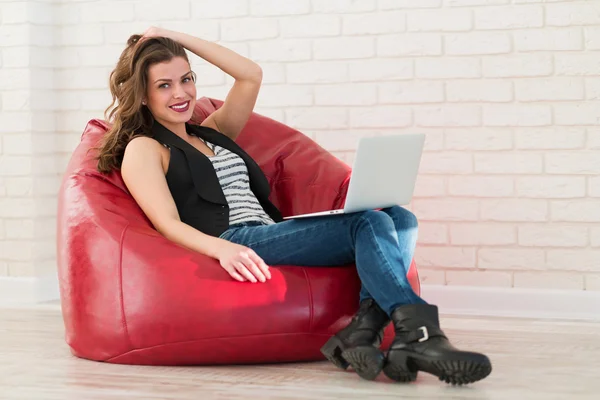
x,y
358,343
420,345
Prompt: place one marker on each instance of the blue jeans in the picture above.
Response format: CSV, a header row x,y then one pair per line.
x,y
380,243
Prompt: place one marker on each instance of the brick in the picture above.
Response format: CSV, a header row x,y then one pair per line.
x,y
553,236
432,276
280,50
594,186
447,67
508,163
317,117
227,9
15,122
479,186
438,210
285,95
549,138
476,234
547,39
94,100
430,186
46,206
509,17
448,116
41,36
66,14
341,140
583,163
580,113
552,89
580,13
119,32
573,260
434,138
575,211
347,94
14,35
433,233
155,10
19,186
479,278
243,29
343,48
19,228
18,144
16,57
517,115
479,90
343,6
15,165
320,25
517,66
80,35
403,4
577,64
16,12
448,20
511,259
551,187
16,100
549,280
374,23
592,282
592,38
466,3
409,44
317,72
81,78
446,163
380,116
21,268
514,210
105,12
477,43
270,8
44,249
592,88
480,139
411,92
16,208
274,113
446,257
14,79
379,69
3,268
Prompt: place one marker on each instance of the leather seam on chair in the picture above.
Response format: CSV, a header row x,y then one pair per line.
x,y
121,300
326,335
310,302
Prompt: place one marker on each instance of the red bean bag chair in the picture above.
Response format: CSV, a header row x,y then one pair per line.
x,y
130,296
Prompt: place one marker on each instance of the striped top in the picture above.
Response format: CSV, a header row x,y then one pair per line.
x,y
235,182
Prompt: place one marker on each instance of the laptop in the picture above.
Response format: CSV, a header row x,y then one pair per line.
x,y
384,174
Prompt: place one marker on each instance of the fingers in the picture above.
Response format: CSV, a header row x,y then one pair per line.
x,y
264,268
241,268
252,267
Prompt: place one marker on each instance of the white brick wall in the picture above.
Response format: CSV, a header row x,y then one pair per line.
x,y
507,92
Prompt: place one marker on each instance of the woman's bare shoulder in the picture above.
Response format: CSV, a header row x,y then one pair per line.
x,y
144,149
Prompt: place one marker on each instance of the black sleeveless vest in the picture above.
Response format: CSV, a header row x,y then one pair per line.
x,y
195,186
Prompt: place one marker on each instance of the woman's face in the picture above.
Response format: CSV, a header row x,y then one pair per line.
x,y
171,92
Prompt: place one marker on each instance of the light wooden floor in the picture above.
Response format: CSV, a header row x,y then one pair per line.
x,y
531,360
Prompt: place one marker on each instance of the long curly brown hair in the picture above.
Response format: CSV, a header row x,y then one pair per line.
x,y
128,85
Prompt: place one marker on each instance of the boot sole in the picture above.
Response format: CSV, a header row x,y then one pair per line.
x,y
367,361
332,350
403,367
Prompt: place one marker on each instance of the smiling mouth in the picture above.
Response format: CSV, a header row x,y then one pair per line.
x,y
180,107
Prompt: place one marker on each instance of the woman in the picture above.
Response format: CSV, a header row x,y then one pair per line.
x,y
200,190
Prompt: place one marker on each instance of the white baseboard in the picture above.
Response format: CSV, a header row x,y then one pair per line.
x,y
511,302
25,291
455,300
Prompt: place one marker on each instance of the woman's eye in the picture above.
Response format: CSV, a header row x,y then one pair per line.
x,y
164,85
186,80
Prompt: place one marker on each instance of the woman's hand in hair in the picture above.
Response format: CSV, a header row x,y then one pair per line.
x,y
155,31
242,263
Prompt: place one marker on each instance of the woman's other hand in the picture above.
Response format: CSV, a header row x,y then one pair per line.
x,y
242,263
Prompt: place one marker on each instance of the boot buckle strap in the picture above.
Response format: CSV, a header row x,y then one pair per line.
x,y
425,334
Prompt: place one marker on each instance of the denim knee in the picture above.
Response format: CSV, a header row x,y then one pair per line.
x,y
403,217
375,217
